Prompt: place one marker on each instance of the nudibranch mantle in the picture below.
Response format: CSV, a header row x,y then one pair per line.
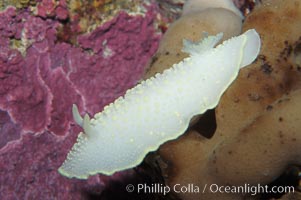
x,y
158,109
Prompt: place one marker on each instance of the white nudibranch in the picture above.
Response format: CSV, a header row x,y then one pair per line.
x,y
158,109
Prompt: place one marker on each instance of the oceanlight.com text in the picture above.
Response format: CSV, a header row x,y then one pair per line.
x,y
249,189
157,188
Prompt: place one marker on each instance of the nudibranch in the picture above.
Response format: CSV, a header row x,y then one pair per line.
x,y
160,108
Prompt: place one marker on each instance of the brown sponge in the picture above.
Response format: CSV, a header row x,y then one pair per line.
x,y
258,119
192,26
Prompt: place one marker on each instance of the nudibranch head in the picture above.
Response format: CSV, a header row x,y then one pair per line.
x,y
160,108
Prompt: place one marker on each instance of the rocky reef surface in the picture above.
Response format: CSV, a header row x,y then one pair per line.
x,y
47,63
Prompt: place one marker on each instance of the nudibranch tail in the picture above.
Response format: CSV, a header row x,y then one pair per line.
x,y
158,109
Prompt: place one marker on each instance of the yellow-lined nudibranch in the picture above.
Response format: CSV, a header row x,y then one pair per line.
x,y
160,108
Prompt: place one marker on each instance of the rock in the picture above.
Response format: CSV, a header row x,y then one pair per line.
x,y
258,123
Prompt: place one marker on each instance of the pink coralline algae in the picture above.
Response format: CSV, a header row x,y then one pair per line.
x,y
50,8
41,79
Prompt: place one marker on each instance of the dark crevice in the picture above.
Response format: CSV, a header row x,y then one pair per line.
x,y
290,177
206,125
146,174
